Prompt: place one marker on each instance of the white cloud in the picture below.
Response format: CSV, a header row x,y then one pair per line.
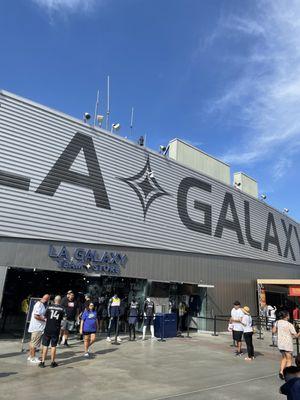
x,y
266,95
66,5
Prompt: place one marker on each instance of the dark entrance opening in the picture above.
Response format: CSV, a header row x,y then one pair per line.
x,y
22,283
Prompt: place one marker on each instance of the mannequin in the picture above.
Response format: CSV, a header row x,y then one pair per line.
x,y
113,314
133,313
149,315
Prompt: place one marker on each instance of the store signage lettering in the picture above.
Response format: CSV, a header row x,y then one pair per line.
x,y
88,260
149,191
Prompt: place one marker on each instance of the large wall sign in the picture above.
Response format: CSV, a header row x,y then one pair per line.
x,y
62,180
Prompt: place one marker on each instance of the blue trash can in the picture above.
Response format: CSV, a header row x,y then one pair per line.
x,y
165,325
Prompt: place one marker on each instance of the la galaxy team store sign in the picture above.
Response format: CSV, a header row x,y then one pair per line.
x,y
88,259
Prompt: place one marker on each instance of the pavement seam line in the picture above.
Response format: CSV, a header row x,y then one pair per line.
x,y
214,387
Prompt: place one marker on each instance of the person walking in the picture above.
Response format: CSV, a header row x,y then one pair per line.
x,y
237,326
88,327
248,332
54,315
285,334
36,327
72,312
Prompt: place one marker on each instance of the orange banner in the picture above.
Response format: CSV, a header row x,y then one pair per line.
x,y
294,291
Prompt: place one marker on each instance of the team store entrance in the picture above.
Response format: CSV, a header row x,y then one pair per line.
x,y
23,283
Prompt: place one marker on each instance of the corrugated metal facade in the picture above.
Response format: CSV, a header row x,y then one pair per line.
x,y
172,208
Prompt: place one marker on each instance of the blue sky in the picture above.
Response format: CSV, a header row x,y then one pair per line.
x,y
223,75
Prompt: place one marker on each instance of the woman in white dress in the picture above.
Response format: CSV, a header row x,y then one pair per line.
x,y
285,334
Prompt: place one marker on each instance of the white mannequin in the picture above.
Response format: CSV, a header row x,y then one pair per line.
x,y
146,317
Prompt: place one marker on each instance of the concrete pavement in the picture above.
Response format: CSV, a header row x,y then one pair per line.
x,y
202,367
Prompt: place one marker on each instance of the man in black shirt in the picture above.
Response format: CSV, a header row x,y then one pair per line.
x,y
72,312
54,315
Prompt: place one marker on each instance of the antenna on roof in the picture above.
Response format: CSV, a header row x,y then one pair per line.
x,y
131,121
96,108
108,110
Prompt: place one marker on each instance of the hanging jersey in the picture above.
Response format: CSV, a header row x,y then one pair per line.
x,y
54,315
149,308
133,309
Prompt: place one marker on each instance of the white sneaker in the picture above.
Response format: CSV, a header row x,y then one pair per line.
x,y
35,360
119,339
108,339
29,358
86,355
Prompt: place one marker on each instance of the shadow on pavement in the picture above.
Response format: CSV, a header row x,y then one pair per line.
x,y
11,354
67,354
5,374
258,354
82,358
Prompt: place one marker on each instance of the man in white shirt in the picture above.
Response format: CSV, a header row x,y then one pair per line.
x,y
238,329
37,326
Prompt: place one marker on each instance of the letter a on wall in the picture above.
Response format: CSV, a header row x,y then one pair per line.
x,y
60,172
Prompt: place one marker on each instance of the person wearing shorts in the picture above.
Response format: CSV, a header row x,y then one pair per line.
x,y
89,327
36,327
285,334
238,329
54,315
72,312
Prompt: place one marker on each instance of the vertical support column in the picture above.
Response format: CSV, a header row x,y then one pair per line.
x,y
3,272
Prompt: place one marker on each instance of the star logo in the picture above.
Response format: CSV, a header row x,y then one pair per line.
x,y
145,187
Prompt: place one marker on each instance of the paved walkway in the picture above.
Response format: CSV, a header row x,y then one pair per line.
x,y
202,367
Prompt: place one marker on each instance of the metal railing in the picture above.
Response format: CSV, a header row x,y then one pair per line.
x,y
260,324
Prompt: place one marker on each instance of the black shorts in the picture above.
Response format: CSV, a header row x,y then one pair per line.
x,y
47,339
237,335
283,352
88,333
148,321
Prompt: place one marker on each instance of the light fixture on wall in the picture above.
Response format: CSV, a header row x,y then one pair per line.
x,y
263,196
285,210
163,150
141,141
86,117
115,127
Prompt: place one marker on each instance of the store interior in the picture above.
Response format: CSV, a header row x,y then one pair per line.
x,y
23,283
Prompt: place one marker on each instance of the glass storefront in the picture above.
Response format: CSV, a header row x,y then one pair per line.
x,y
167,296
